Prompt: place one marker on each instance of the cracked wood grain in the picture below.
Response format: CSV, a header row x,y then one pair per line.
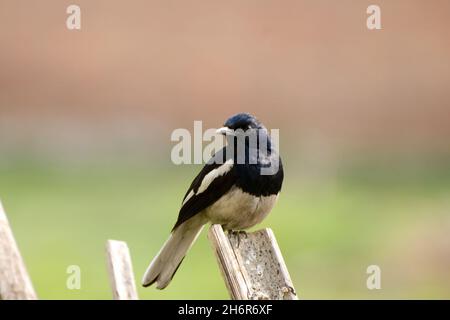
x,y
120,271
15,284
252,265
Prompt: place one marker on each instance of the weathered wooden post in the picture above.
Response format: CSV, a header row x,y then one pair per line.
x,y
15,284
120,271
252,265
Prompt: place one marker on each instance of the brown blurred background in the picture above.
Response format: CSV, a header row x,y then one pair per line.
x,y
310,67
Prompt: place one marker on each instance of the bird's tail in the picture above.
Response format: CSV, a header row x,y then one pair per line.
x,y
163,267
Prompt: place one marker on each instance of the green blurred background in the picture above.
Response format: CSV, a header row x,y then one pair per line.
x,y
364,119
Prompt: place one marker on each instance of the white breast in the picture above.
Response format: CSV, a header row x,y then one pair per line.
x,y
238,210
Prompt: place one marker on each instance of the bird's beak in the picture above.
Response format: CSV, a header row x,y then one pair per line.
x,y
225,131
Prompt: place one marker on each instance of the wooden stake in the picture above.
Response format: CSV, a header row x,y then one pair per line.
x,y
15,284
252,265
120,270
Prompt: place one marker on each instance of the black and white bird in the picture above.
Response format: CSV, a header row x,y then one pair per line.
x,y
230,190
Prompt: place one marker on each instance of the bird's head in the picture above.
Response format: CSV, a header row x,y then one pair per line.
x,y
240,122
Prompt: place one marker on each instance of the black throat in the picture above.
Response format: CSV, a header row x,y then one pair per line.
x,y
258,166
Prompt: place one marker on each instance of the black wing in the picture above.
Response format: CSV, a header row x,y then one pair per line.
x,y
217,188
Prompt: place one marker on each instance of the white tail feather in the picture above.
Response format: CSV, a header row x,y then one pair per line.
x,y
165,264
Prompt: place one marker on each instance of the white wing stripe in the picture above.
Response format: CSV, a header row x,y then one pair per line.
x,y
188,197
210,177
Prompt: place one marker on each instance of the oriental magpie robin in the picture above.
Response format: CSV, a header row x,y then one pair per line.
x,y
232,189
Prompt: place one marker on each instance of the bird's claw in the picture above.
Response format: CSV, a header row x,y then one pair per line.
x,y
237,235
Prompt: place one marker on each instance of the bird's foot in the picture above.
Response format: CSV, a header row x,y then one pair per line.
x,y
234,234
237,235
243,233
